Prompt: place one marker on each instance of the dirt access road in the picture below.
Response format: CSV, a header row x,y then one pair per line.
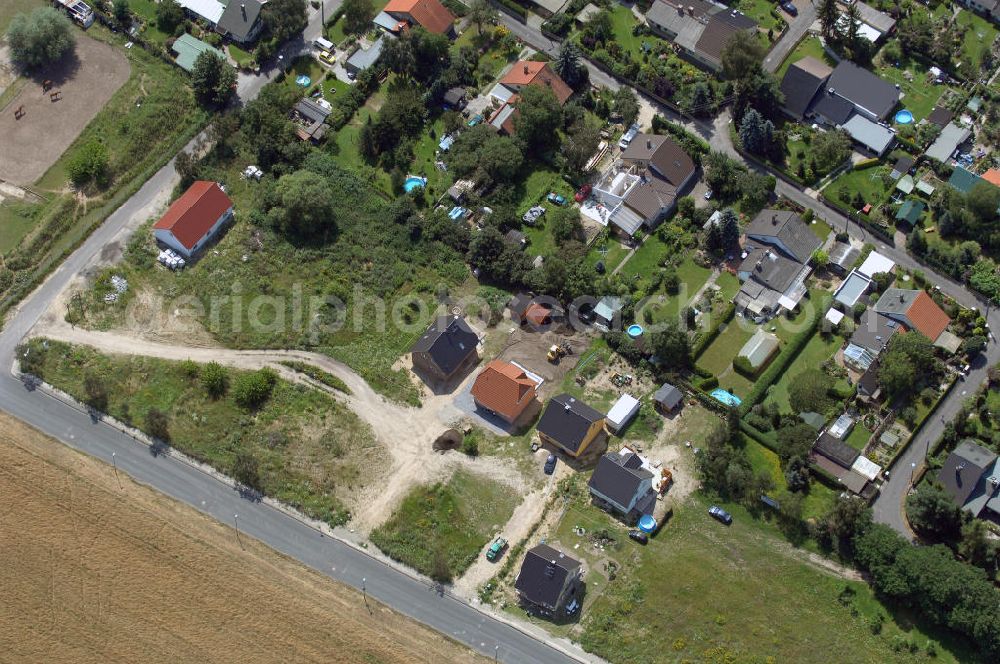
x,y
407,433
101,569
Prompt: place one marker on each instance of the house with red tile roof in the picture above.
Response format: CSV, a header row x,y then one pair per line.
x,y
915,309
194,218
504,389
539,75
431,15
992,176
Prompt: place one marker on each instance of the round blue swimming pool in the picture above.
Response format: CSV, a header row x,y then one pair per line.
x,y
634,331
647,523
413,182
904,117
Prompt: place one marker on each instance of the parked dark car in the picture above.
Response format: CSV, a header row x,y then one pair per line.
x,y
790,8
639,536
550,464
720,514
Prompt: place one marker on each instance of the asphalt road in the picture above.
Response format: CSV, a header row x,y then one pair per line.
x,y
797,29
72,425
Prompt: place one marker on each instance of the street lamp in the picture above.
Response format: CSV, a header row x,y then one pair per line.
x,y
114,464
236,520
913,471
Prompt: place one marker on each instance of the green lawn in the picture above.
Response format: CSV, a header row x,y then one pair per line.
x,y
312,450
623,21
607,250
701,591
817,502
919,94
424,151
243,59
859,436
335,32
11,7
808,46
815,352
347,153
760,11
16,220
440,529
146,9
873,183
718,357
978,38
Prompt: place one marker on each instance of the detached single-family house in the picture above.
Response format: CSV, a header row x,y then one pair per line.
x,y
622,486
802,80
971,476
241,21
569,424
194,218
550,581
668,398
643,186
528,73
698,28
836,450
504,389
309,117
989,8
431,15
910,212
915,309
869,339
775,264
448,346
209,11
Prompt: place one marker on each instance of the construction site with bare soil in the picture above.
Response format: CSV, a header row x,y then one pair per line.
x,y
99,569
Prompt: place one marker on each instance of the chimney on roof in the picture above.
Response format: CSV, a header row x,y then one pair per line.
x,y
691,9
901,298
774,220
960,467
649,144
526,68
243,9
550,569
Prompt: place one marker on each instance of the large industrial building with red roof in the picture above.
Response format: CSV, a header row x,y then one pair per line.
x,y
194,218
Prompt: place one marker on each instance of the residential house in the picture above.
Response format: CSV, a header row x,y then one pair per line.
x,y
622,486
365,58
971,476
504,389
910,212
570,425
698,28
775,264
194,218
431,15
187,48
622,412
802,80
869,339
522,74
992,176
948,142
668,399
448,346
242,21
550,581
643,186
915,309
836,450
309,117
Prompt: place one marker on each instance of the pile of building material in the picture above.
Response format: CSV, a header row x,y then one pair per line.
x,y
171,259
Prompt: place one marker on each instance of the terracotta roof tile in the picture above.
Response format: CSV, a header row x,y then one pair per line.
x,y
992,176
504,389
193,214
430,14
538,74
927,317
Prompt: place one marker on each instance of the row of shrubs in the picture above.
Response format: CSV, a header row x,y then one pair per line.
x,y
707,337
512,8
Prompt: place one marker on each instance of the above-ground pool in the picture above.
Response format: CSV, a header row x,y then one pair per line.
x,y
303,80
634,331
647,523
904,117
726,397
413,182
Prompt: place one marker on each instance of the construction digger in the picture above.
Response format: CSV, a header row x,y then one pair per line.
x,y
558,351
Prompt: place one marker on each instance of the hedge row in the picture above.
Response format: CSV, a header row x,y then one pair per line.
x,y
706,339
512,8
780,364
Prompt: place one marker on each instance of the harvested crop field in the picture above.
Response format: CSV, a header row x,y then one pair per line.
x,y
97,573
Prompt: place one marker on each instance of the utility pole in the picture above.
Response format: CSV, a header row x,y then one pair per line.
x,y
114,463
236,520
496,653
364,593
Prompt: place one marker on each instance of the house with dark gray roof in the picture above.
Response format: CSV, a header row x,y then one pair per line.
x,y
869,339
698,28
242,21
569,424
842,257
365,58
836,450
785,231
870,95
802,80
549,581
971,476
661,155
622,486
448,346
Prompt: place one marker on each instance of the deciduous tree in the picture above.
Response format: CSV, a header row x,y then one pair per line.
x,y
213,79
38,38
358,15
